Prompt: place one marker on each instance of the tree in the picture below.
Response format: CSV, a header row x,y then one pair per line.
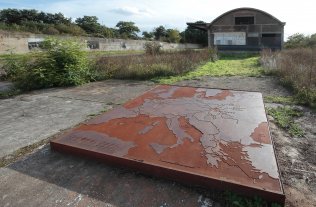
x,y
108,32
296,40
15,16
193,35
148,35
29,15
160,33
173,35
312,40
10,16
89,24
127,29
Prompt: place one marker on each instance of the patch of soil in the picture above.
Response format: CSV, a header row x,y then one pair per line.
x,y
267,85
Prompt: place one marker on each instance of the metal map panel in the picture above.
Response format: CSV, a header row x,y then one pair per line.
x,y
209,137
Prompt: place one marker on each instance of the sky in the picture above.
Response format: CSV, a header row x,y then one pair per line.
x,y
148,14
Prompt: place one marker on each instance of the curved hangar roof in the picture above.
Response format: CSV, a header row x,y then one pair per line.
x,y
261,17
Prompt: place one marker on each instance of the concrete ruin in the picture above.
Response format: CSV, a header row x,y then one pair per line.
x,y
26,42
244,29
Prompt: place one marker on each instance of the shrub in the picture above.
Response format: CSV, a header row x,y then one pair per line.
x,y
152,48
214,54
62,63
72,29
51,31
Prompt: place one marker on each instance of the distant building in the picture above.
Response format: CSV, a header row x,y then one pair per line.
x,y
244,29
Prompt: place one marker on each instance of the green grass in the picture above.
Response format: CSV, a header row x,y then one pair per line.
x,y
227,65
288,100
284,118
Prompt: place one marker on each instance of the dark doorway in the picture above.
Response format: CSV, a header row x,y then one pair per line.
x,y
272,40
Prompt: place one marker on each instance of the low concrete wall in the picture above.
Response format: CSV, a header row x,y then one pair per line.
x,y
25,42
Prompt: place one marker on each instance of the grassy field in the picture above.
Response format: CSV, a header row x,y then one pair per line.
x,y
227,65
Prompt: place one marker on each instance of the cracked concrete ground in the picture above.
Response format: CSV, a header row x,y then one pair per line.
x,y
46,178
32,117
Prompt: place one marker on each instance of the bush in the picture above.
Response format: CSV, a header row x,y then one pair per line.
x,y
149,66
62,63
51,31
152,48
214,54
72,29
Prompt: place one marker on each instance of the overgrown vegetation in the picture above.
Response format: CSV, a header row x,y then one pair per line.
x,y
31,20
286,100
297,70
226,65
149,65
152,48
284,118
9,93
300,41
62,63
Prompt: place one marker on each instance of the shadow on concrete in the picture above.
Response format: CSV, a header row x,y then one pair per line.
x,y
117,186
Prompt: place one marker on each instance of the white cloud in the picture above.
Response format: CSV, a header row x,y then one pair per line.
x,y
130,11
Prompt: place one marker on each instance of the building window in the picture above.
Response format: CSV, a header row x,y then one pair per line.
x,y
229,38
244,20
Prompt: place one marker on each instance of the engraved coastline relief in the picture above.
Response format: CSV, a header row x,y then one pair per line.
x,y
225,126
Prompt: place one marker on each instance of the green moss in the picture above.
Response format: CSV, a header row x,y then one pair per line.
x,y
225,66
9,93
284,118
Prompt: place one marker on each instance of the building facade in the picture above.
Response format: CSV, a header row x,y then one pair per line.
x,y
244,29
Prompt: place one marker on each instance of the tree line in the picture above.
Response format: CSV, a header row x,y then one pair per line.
x,y
299,40
31,20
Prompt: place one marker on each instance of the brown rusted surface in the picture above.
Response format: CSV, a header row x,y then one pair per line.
x,y
211,137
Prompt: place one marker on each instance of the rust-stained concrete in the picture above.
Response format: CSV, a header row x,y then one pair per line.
x,y
210,137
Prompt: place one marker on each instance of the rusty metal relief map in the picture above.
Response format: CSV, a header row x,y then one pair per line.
x,y
218,134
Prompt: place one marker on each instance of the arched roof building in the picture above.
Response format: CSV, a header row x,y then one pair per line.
x,y
244,29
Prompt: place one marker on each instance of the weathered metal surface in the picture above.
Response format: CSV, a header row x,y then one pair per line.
x,y
209,137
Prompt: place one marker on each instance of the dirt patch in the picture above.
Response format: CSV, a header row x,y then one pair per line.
x,y
267,85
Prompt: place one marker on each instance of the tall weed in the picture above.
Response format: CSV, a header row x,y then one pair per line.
x,y
148,66
297,70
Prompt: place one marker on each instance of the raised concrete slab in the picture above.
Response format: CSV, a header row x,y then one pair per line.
x,y
209,137
32,117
